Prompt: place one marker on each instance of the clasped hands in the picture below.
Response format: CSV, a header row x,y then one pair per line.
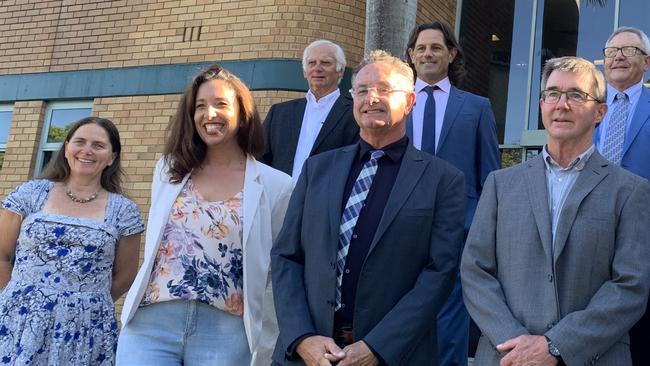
x,y
526,350
322,351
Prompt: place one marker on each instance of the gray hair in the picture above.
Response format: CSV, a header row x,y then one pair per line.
x,y
339,55
398,65
577,65
642,36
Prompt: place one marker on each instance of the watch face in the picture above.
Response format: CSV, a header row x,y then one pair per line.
x,y
553,350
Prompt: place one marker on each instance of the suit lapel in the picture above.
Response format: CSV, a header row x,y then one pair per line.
x,y
538,195
592,174
641,116
407,177
332,120
252,194
293,126
455,101
338,178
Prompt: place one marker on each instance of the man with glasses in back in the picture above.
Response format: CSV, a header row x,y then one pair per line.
x,y
555,269
624,135
370,244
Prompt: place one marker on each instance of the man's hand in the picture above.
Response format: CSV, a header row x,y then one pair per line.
x,y
319,351
358,354
526,350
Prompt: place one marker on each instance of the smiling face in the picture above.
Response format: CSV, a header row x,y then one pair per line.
x,y
382,115
216,113
621,71
89,151
321,74
567,122
431,57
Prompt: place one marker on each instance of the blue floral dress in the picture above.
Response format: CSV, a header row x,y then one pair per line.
x,y
57,308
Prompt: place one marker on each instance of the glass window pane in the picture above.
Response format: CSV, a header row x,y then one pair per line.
x,y
62,119
2,158
486,39
47,156
634,13
5,123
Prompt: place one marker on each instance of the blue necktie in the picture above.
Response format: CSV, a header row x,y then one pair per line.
x,y
615,134
429,122
351,214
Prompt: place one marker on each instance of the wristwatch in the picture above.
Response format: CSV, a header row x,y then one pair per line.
x,y
552,349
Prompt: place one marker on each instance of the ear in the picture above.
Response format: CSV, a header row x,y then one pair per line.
x,y
410,102
112,159
646,63
410,52
600,113
452,54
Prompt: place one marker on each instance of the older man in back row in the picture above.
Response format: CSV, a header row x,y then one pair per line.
x,y
624,135
369,248
555,268
297,129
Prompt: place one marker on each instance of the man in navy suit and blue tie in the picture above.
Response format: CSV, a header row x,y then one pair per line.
x,y
624,135
459,127
368,252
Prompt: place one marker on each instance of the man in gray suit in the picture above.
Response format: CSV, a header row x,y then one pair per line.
x,y
555,268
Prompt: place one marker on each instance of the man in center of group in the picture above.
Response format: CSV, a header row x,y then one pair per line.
x,y
369,248
322,121
459,127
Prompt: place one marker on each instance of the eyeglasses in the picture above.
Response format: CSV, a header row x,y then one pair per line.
x,y
572,96
628,51
382,91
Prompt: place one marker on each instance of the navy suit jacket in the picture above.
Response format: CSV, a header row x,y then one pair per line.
x,y
636,147
282,130
468,140
408,272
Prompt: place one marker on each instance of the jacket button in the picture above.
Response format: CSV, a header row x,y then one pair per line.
x,y
550,278
333,265
549,325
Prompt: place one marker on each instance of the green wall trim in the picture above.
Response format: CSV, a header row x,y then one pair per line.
x,y
268,74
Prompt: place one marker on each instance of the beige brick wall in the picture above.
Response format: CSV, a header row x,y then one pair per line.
x,y
56,35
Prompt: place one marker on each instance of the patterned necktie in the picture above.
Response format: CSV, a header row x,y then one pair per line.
x,y
613,147
429,122
351,214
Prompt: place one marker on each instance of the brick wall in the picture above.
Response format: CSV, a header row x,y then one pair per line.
x,y
56,35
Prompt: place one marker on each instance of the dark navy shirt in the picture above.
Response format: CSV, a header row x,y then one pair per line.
x,y
371,213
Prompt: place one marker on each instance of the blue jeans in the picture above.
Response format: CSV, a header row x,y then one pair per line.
x,y
184,333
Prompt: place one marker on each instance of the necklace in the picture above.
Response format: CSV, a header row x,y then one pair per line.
x,y
74,198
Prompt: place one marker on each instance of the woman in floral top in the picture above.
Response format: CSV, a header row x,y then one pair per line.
x,y
203,294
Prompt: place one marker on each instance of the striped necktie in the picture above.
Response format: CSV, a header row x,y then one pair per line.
x,y
351,214
615,135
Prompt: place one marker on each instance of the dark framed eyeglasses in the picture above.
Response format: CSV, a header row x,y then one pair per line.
x,y
573,96
628,51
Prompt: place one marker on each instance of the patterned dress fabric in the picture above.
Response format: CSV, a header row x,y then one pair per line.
x,y
57,307
200,255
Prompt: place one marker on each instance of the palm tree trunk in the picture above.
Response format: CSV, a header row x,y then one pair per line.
x,y
388,24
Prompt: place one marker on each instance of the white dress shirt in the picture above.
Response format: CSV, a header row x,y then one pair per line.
x,y
316,112
441,96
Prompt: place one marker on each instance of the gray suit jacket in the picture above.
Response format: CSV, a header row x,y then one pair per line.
x,y
584,294
407,274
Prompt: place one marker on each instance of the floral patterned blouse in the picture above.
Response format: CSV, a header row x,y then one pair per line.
x,y
200,254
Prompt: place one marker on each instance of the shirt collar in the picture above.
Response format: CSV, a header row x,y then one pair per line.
x,y
329,98
444,85
578,164
631,92
394,151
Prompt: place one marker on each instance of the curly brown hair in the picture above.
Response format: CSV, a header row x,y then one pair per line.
x,y
184,149
456,70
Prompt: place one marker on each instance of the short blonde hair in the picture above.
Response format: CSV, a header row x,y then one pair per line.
x,y
376,56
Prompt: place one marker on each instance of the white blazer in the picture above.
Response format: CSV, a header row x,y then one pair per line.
x,y
266,195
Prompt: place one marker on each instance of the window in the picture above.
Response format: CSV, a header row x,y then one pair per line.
x,y
5,122
59,117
